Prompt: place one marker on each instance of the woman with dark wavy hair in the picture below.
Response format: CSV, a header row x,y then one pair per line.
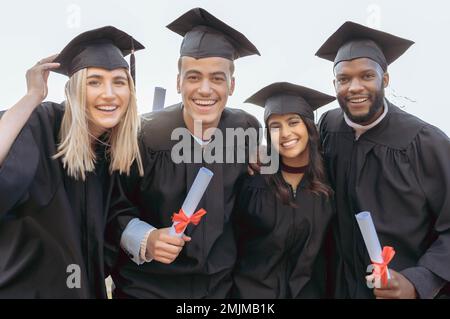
x,y
282,218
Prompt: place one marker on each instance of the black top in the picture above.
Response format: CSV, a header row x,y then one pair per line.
x,y
48,220
280,246
398,171
206,36
203,268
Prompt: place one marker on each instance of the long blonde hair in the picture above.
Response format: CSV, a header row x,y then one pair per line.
x,y
76,148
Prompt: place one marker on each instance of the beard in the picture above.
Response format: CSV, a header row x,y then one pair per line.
x,y
377,103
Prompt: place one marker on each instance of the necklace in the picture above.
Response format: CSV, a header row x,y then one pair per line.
x,y
292,169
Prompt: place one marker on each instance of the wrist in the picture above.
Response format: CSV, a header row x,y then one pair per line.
x,y
34,97
145,252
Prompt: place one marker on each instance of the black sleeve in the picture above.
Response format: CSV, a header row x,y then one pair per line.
x,y
124,203
31,150
427,284
429,157
18,170
121,208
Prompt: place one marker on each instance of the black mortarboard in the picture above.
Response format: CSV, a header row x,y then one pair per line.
x,y
284,98
206,36
103,48
352,41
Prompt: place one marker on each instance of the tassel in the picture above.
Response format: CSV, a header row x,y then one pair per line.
x,y
133,63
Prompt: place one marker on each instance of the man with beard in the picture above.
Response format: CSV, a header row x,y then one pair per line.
x,y
386,161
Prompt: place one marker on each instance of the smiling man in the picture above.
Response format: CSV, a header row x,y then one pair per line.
x,y
386,161
199,266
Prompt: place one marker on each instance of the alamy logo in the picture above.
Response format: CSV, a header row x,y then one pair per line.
x,y
241,147
372,281
74,277
73,16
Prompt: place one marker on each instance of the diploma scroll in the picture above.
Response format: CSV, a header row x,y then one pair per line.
x,y
191,201
371,240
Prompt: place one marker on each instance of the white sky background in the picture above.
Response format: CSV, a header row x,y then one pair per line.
x,y
286,32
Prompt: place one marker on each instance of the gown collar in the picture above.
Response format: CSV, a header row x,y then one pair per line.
x,y
361,129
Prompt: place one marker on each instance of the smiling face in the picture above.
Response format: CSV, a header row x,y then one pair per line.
x,y
359,86
205,85
289,135
107,98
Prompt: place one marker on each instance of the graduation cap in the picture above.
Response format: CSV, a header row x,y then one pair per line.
x,y
353,41
206,36
284,98
103,48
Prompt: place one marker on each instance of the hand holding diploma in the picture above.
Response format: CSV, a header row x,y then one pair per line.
x,y
163,247
165,244
398,287
379,258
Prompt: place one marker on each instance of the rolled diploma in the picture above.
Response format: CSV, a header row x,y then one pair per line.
x,y
194,195
370,237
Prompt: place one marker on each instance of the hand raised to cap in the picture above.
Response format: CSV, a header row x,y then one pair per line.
x,y
37,77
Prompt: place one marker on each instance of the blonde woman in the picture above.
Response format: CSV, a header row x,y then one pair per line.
x,y
55,166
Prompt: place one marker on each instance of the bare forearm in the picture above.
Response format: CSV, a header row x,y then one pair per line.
x,y
15,118
13,121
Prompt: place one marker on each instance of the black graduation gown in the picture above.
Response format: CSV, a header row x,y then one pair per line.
x,y
399,171
203,268
280,246
48,220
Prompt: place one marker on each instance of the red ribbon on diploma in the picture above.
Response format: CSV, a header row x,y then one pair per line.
x,y
380,269
184,221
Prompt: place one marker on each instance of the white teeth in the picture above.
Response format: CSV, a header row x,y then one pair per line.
x,y
358,100
205,102
108,108
290,143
